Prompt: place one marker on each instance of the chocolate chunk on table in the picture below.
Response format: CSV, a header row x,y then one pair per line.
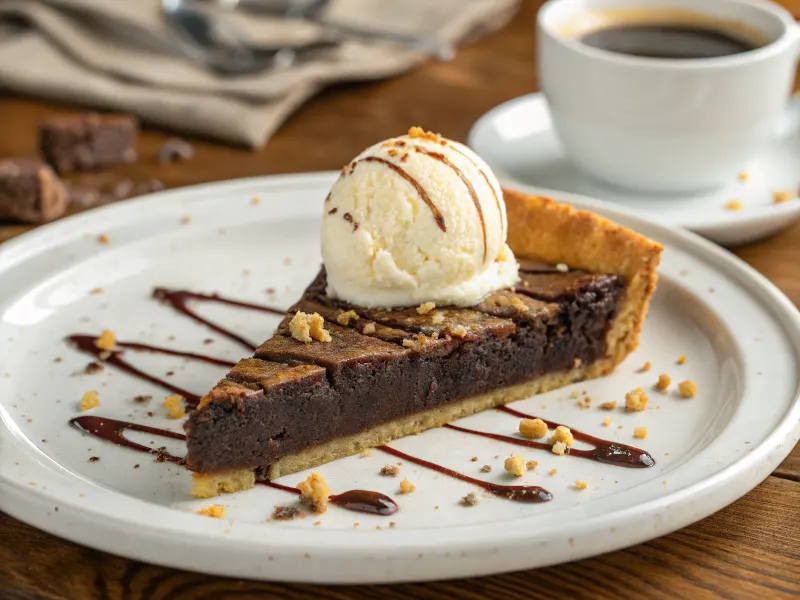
x,y
30,191
88,141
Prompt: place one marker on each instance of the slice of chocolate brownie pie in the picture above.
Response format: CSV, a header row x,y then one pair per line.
x,y
338,376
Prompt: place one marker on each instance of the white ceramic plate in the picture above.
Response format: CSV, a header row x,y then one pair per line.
x,y
739,333
518,141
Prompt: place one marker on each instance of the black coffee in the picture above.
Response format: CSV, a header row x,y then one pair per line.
x,y
667,41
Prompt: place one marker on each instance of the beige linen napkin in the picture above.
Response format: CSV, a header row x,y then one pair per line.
x,y
123,55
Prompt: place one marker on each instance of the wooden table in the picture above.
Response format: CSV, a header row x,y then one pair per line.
x,y
749,550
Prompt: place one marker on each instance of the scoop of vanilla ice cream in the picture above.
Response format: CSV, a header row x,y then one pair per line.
x,y
415,219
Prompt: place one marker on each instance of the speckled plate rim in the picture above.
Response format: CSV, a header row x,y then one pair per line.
x,y
125,525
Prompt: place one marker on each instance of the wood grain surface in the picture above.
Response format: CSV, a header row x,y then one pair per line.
x,y
749,550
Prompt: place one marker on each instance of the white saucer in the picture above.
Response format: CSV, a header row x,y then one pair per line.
x,y
518,141
740,334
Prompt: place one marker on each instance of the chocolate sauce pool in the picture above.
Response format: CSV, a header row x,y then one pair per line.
x,y
112,430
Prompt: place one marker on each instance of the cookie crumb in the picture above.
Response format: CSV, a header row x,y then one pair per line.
x,y
285,513
608,405
562,268
515,465
743,176
635,400
255,200
369,329
315,492
782,196
606,422
419,133
186,219
216,511
734,205
346,317
681,359
175,409
470,499
663,381
97,290
581,484
645,367
458,331
392,524
425,308
563,434
559,448
107,340
406,487
687,388
486,468
533,428
531,465
640,432
94,458
365,452
104,238
552,471
575,395
90,400
142,399
390,471
305,328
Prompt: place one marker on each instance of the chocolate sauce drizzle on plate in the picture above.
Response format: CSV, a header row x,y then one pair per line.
x,y
519,493
112,430
604,451
85,343
179,299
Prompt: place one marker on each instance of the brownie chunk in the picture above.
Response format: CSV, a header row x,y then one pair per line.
x,y
30,191
88,141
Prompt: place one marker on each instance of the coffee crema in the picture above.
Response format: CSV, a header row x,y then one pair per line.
x,y
663,33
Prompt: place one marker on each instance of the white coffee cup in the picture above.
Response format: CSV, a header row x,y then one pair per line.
x,y
666,125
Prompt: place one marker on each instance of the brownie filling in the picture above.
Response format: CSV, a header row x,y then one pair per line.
x,y
390,363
